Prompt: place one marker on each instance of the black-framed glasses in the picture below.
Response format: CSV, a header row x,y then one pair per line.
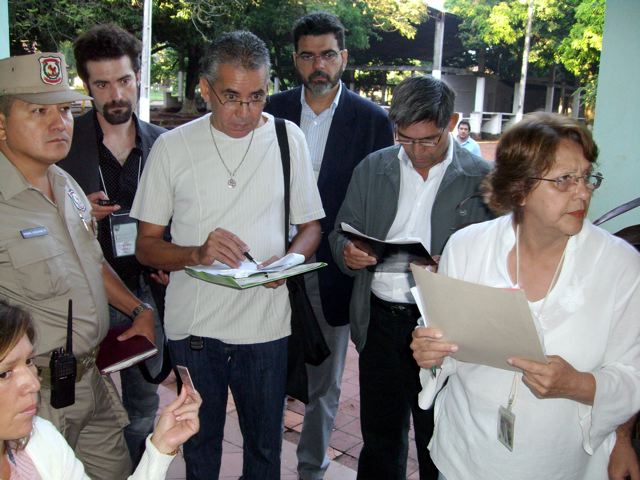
x,y
329,56
565,182
423,142
257,101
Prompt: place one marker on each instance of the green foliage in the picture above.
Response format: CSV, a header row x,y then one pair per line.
x,y
185,27
44,24
566,36
580,51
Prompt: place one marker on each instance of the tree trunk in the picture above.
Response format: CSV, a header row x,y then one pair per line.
x,y
482,59
525,63
189,106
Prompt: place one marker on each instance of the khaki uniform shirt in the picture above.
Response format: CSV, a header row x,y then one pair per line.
x,y
48,255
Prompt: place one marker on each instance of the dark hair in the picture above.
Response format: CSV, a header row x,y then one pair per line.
x,y
422,99
105,42
465,122
15,322
5,104
240,48
318,23
528,149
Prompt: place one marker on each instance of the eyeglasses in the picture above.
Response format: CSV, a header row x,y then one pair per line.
x,y
329,56
591,180
257,101
423,142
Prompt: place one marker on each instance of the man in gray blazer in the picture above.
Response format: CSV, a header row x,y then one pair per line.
x,y
423,187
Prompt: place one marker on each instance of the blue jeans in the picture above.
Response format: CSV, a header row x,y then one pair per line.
x,y
256,375
139,397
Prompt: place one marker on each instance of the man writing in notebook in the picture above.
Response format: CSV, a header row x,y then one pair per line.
x,y
220,180
341,129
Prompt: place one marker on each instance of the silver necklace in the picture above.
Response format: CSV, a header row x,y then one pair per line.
x,y
231,183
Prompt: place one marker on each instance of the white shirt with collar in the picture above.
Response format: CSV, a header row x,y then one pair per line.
x,y
413,219
316,128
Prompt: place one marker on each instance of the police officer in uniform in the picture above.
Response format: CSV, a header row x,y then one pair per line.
x,y
49,254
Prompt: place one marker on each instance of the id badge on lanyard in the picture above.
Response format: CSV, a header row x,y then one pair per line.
x,y
122,227
124,231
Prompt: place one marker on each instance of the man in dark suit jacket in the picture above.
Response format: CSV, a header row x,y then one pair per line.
x,y
108,151
341,129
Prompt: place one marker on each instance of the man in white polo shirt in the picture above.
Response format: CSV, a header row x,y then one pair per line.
x,y
219,179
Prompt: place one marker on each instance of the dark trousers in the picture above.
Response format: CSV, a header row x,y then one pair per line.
x,y
389,386
256,375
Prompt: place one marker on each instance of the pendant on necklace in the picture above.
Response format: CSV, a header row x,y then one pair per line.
x,y
231,183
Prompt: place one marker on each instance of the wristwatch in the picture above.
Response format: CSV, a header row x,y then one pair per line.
x,y
140,308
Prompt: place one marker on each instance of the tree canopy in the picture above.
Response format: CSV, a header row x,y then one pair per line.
x,y
187,26
566,37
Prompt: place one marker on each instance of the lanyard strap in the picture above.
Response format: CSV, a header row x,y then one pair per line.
x,y
104,185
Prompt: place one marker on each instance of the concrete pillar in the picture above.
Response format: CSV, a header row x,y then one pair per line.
x,y
476,122
4,29
438,42
575,104
516,99
548,102
180,85
478,105
615,127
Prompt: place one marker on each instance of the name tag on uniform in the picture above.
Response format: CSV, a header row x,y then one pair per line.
x,y
34,232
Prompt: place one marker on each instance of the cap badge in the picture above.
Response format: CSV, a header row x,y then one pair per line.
x,y
51,70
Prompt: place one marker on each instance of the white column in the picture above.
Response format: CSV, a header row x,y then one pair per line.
x,y
144,104
575,104
438,41
4,29
548,102
180,86
478,105
516,99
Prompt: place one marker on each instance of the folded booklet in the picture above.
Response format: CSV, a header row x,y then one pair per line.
x,y
115,355
394,254
242,279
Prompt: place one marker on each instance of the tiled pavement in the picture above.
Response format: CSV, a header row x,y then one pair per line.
x,y
345,444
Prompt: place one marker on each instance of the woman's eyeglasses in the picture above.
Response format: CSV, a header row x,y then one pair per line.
x,y
565,182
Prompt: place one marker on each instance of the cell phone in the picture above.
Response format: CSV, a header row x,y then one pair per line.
x,y
185,377
63,378
106,203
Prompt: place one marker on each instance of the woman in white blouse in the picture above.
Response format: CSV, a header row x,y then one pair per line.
x,y
32,449
555,420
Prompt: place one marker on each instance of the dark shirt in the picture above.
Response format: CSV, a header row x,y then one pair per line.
x,y
120,184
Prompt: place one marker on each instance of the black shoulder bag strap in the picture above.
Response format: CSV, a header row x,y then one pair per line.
x,y
285,154
307,343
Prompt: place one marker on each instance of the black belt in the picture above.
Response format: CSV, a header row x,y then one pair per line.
x,y
398,309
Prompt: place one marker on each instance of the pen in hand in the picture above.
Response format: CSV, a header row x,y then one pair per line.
x,y
251,259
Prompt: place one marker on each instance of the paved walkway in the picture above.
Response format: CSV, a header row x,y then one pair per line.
x,y
345,444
